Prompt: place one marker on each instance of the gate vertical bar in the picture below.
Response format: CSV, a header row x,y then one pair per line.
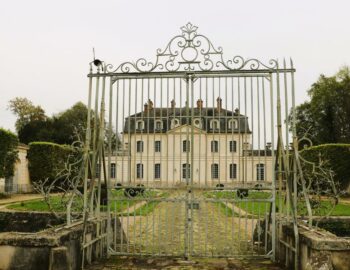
x,y
189,169
108,186
273,187
191,79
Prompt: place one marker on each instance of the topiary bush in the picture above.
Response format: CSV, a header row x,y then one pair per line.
x,y
46,160
8,153
337,157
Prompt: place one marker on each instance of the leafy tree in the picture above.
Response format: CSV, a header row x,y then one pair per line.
x,y
47,160
8,153
32,124
70,124
326,117
37,130
25,111
64,128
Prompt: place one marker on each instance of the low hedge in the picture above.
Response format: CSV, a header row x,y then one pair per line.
x,y
8,153
46,160
338,157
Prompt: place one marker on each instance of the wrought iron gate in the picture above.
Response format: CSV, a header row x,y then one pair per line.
x,y
187,148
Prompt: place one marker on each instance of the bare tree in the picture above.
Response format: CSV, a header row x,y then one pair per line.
x,y
321,188
67,183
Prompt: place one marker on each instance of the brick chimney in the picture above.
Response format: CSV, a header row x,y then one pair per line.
x,y
173,104
218,104
150,104
200,104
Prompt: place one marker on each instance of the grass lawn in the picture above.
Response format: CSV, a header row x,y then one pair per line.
x,y
118,203
148,207
145,209
41,206
254,208
259,208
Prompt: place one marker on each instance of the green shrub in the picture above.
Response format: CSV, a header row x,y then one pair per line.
x,y
47,160
337,157
8,153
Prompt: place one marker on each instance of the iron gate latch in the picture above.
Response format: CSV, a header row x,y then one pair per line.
x,y
193,205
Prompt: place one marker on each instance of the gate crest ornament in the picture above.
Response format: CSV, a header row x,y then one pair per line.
x,y
190,51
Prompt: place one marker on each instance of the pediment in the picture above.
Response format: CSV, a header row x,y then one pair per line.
x,y
184,128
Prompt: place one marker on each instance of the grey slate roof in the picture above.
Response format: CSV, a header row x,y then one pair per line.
x,y
167,114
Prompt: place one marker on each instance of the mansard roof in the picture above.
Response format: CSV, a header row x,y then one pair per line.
x,y
150,116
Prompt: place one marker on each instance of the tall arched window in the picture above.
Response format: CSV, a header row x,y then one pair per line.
x,y
139,146
214,146
186,146
113,170
233,146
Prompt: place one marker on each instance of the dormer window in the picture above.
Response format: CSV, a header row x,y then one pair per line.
x,y
197,122
175,123
159,125
214,124
233,124
140,125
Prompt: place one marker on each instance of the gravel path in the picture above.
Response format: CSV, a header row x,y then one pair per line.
x,y
15,198
163,231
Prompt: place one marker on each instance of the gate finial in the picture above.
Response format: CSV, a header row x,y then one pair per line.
x,y
97,62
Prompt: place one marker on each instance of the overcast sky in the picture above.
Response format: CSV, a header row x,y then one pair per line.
x,y
45,46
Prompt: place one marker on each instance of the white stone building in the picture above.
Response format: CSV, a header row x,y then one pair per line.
x,y
157,147
20,182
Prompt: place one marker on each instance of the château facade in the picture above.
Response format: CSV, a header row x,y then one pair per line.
x,y
168,146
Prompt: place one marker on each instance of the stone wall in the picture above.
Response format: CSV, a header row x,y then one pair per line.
x,y
318,249
27,221
57,248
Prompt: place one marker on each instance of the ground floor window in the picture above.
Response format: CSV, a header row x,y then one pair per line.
x,y
186,171
139,170
113,170
98,169
260,172
157,171
215,171
233,171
